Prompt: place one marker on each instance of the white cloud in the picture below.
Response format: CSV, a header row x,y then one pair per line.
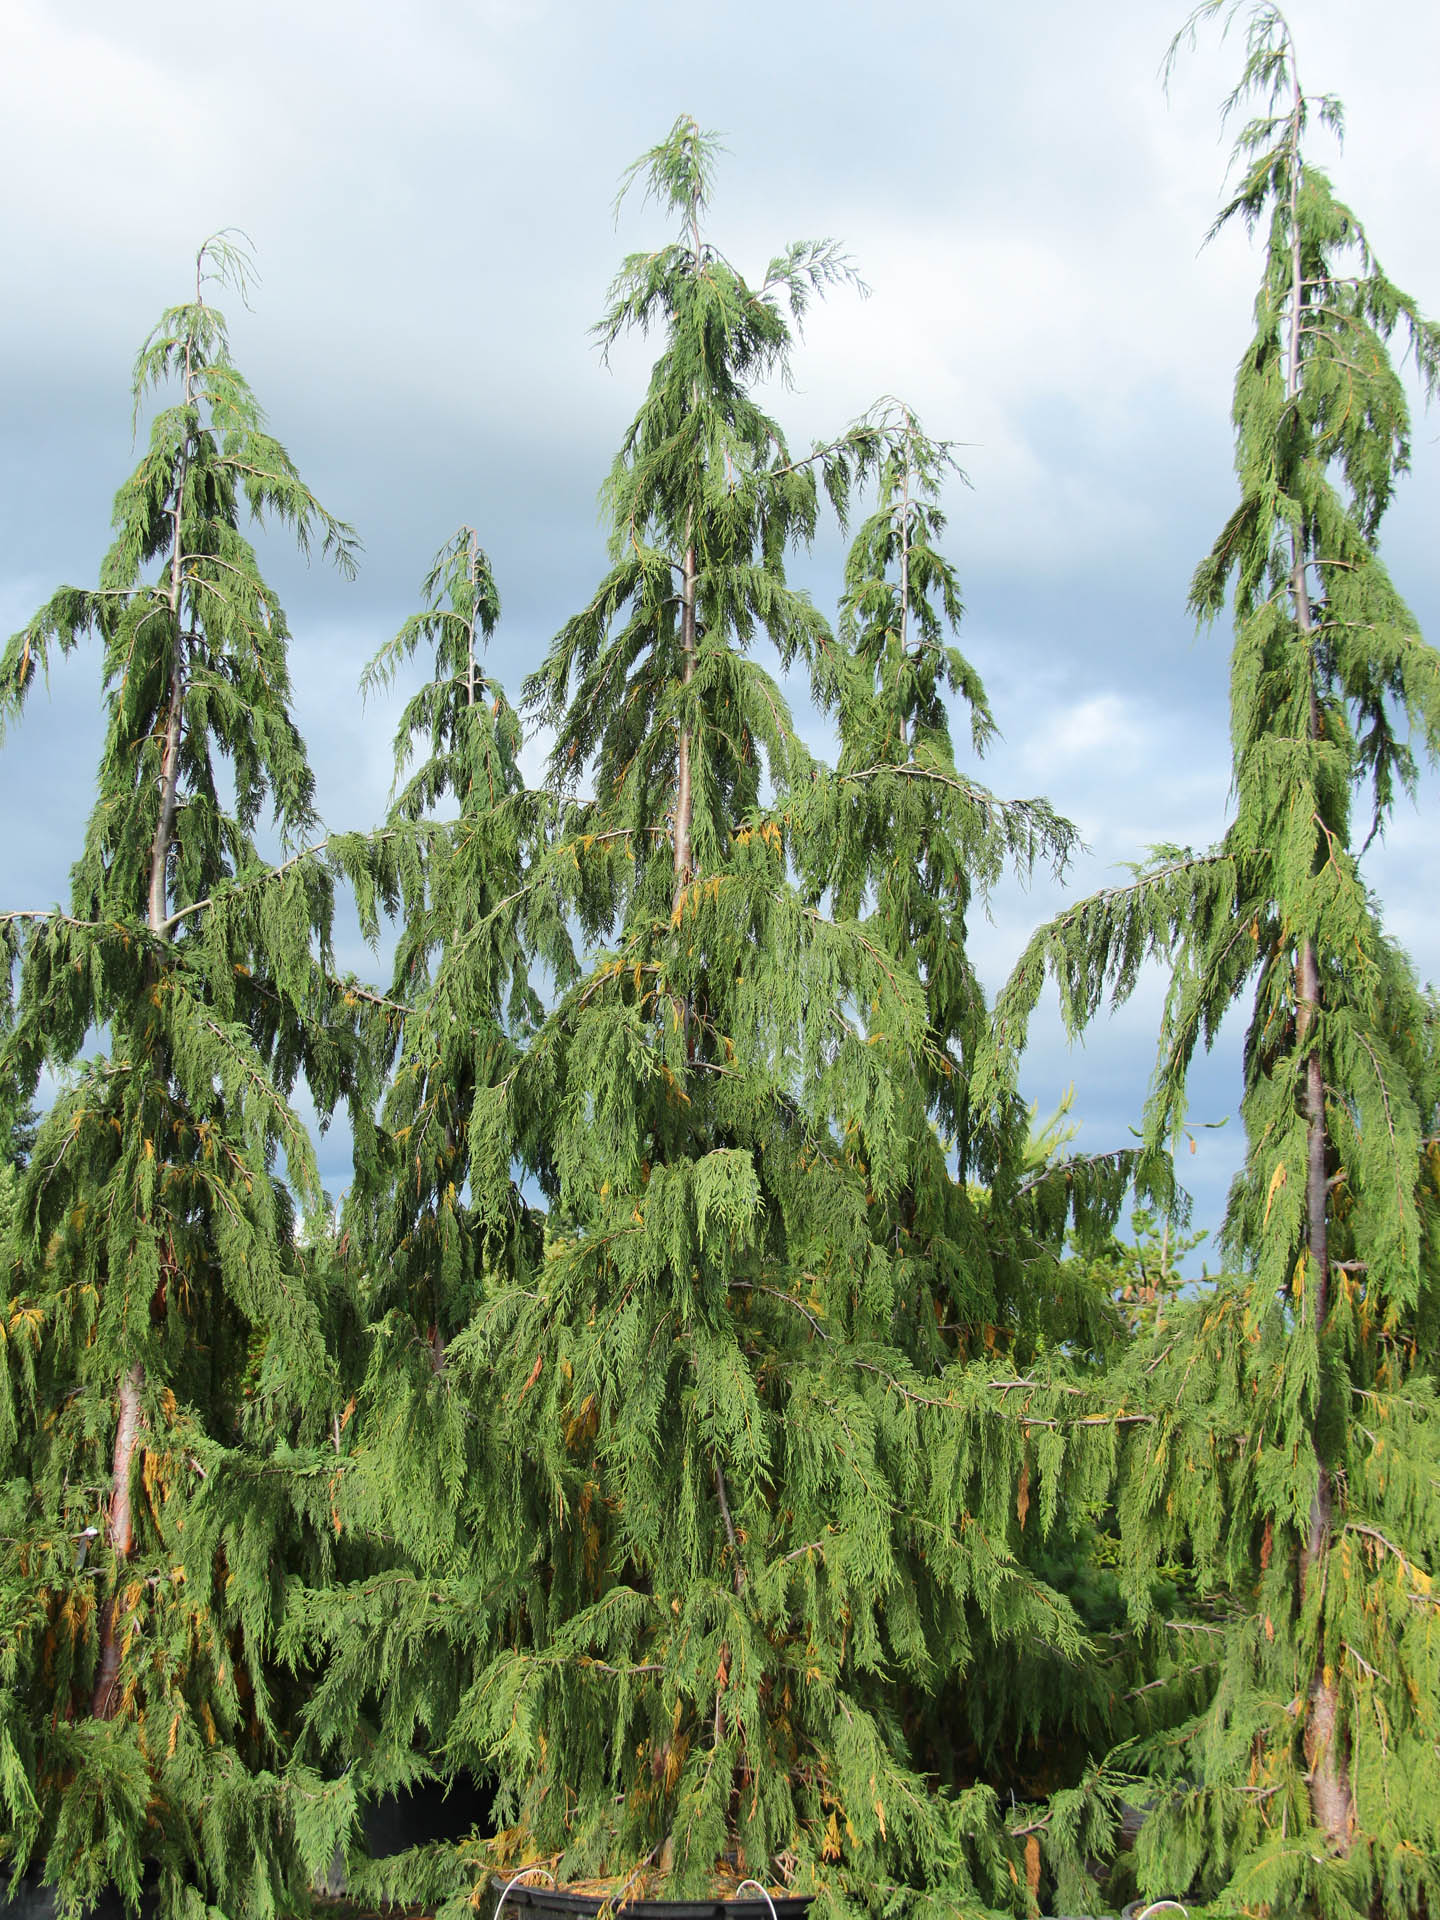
x,y
1103,726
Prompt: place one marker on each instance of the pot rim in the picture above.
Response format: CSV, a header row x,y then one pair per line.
x,y
749,1906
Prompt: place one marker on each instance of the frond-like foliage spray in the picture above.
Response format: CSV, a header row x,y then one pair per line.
x,y
1296,1451
166,1345
713,1507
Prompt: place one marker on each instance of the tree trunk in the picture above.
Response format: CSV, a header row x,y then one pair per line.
x,y
904,587
684,798
474,567
1331,1799
158,902
120,1530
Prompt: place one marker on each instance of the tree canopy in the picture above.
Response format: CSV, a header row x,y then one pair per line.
x,y
718,1416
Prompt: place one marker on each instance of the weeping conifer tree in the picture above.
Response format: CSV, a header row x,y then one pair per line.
x,y
1295,1449
722,1479
165,1363
393,1641
450,881
903,839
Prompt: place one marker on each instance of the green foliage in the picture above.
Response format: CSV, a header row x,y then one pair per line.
x,y
720,1414
680,1441
166,1382
434,1217
1307,1780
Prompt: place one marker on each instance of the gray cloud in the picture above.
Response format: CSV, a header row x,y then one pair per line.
x,y
429,190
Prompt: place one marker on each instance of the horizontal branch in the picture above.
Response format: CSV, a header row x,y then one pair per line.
x,y
949,1404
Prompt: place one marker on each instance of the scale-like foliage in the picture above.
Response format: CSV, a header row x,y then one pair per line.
x,y
695,1504
434,1219
1295,1454
166,1382
899,837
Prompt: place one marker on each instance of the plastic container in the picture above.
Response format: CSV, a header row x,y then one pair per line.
x,y
553,1903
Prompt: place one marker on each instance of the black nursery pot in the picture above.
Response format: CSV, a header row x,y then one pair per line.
x,y
550,1903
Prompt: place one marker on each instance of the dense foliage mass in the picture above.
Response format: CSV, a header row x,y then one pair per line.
x,y
719,1419
1298,1452
166,1344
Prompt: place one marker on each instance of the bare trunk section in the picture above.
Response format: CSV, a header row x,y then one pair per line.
x,y
1331,1797
121,1532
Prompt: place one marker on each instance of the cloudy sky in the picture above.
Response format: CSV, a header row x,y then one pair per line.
x,y
429,191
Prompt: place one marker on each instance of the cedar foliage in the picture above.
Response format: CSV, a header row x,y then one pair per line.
x,y
1294,1453
707,1506
734,1466
392,1638
166,1380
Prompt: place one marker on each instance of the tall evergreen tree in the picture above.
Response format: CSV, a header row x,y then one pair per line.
x,y
430,1233
164,1354
1296,1450
904,839
725,1480
451,880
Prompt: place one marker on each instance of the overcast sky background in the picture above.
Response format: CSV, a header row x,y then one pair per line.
x,y
429,193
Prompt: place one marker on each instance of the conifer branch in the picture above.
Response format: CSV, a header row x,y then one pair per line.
x,y
950,1403
722,1496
